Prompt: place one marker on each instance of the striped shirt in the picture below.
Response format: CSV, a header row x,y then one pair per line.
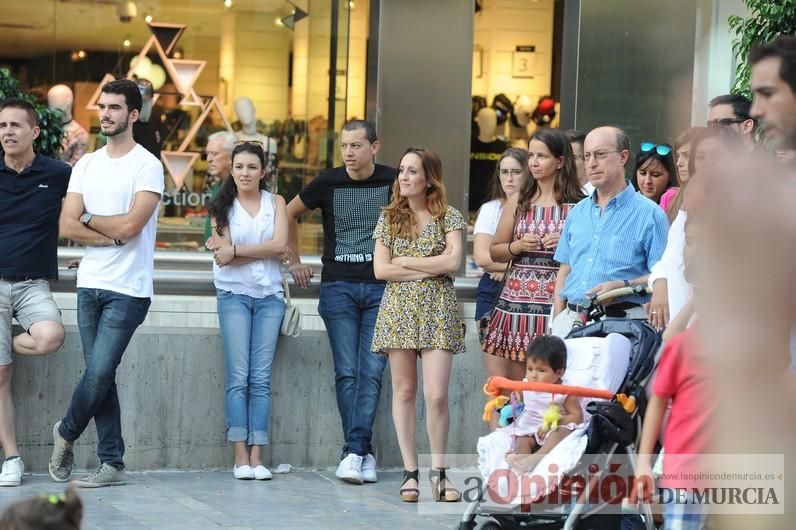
x,y
620,242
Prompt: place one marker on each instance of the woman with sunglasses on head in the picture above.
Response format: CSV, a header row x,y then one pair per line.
x,y
527,236
710,147
655,174
248,242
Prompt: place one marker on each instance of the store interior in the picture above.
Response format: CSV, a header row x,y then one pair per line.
x,y
261,68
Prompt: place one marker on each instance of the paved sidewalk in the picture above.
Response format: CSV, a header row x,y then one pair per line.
x,y
202,500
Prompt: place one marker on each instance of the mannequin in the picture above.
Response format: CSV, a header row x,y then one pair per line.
x,y
145,129
244,109
485,151
75,140
520,118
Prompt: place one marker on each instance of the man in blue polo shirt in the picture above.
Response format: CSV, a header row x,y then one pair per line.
x,y
610,239
32,187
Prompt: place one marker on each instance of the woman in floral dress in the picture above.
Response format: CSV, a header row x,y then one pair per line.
x,y
527,235
418,248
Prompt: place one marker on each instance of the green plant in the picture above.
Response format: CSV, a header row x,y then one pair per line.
x,y
49,141
767,19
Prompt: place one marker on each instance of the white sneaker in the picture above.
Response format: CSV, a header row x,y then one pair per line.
x,y
350,469
12,472
244,472
369,469
261,473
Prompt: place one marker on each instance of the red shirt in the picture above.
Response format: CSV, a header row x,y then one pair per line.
x,y
682,377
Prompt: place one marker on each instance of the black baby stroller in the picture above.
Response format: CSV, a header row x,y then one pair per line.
x,y
612,434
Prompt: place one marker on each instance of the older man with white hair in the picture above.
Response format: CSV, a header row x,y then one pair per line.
x,y
219,165
610,239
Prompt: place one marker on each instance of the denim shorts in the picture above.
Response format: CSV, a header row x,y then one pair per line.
x,y
28,302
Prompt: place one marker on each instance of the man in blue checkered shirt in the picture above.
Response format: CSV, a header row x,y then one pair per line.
x,y
611,239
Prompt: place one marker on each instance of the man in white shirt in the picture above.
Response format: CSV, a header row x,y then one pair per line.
x,y
111,208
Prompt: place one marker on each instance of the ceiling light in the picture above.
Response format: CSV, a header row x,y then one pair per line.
x,y
126,11
148,18
351,4
227,3
278,22
126,43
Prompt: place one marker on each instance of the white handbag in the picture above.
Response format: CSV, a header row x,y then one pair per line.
x,y
291,323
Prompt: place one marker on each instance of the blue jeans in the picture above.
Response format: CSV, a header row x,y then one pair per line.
x,y
250,332
107,320
349,312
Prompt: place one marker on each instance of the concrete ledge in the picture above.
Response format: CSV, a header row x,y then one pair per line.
x,y
171,388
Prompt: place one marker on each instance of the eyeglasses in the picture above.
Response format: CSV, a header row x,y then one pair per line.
x,y
724,122
599,155
258,143
661,149
512,172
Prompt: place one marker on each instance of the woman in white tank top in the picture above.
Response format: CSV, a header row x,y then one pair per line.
x,y
248,240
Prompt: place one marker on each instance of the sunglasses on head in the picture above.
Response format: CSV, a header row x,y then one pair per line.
x,y
249,142
661,149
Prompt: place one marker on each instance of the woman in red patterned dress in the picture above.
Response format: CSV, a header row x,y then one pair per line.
x,y
528,234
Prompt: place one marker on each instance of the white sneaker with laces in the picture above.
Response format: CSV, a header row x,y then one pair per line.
x,y
350,469
369,469
11,474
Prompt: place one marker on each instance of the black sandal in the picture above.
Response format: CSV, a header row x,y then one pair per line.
x,y
438,489
409,494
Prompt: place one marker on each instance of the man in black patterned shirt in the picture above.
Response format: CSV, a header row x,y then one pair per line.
x,y
351,198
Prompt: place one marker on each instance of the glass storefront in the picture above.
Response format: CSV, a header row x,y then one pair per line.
x,y
289,71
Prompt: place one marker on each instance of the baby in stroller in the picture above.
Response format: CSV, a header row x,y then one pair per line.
x,y
546,419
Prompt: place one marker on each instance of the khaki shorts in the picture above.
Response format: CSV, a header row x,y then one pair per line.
x,y
28,302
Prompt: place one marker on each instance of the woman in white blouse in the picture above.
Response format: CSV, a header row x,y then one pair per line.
x,y
248,240
510,173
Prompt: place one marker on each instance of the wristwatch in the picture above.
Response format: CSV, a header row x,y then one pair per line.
x,y
85,218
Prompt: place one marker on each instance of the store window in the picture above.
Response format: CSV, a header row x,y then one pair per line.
x,y
514,88
260,68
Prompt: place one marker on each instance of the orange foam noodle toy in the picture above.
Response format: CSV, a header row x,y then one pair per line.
x,y
494,405
495,384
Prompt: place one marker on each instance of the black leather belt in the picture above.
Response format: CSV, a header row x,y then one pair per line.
x,y
15,279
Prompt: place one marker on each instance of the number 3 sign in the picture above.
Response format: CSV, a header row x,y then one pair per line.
x,y
523,61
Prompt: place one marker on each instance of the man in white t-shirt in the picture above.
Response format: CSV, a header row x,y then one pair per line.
x,y
111,208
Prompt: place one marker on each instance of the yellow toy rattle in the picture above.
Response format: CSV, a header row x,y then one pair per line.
x,y
551,417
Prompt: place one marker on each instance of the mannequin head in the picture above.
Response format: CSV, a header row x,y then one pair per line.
x,y
60,97
487,123
244,108
147,98
523,110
